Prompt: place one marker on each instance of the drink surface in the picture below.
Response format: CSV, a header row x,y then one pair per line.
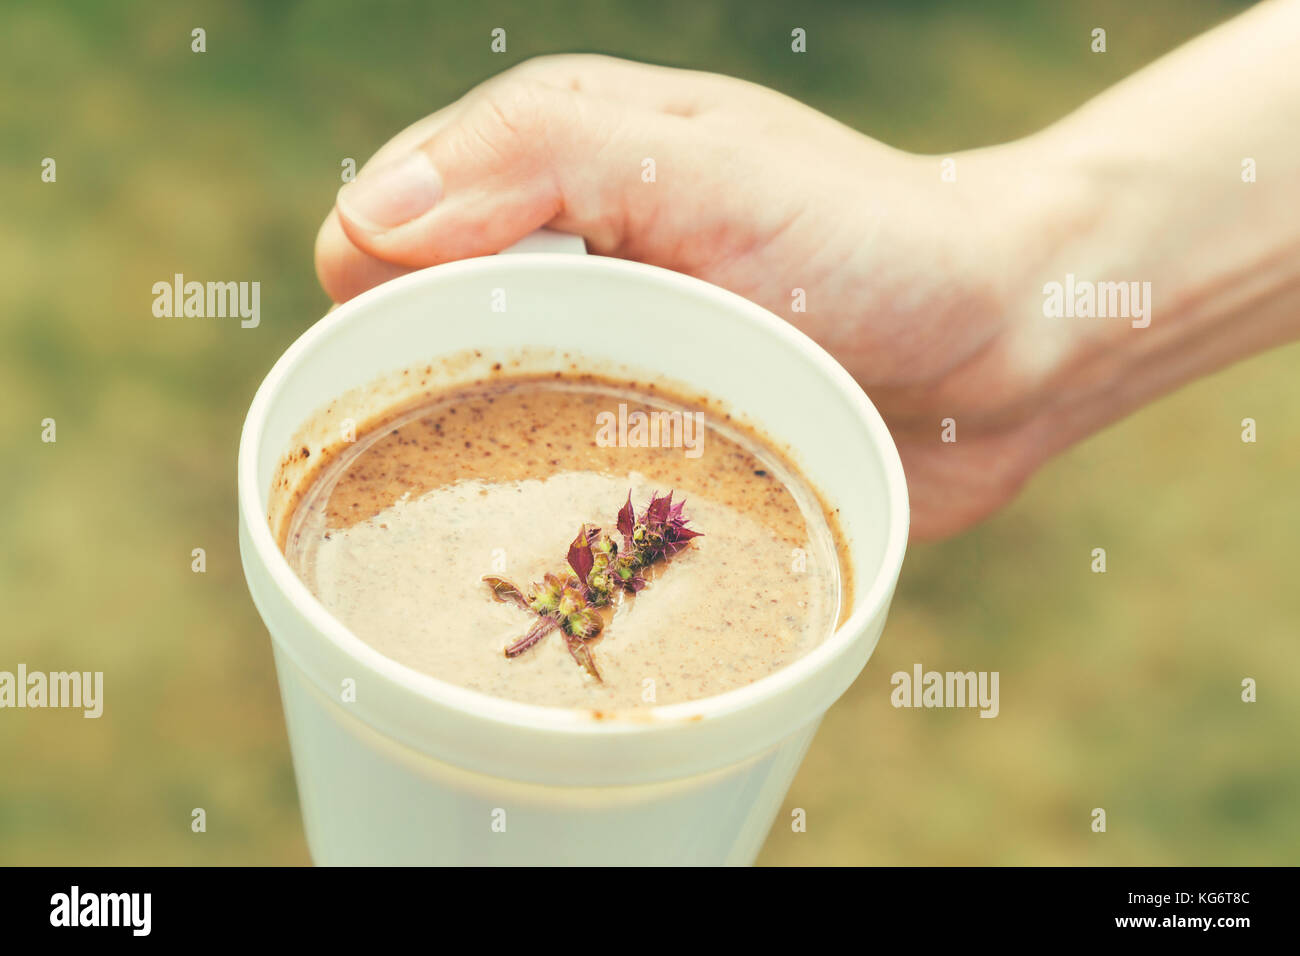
x,y
396,531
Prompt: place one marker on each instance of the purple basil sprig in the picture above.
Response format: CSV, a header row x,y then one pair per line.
x,y
598,569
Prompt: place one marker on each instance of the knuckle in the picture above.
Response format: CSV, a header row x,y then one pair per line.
x,y
516,108
554,69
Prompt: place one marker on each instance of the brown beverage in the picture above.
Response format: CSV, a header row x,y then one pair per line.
x,y
395,532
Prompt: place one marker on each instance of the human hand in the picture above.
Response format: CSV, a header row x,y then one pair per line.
x,y
929,291
753,192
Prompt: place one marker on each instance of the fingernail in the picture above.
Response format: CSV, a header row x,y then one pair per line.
x,y
390,195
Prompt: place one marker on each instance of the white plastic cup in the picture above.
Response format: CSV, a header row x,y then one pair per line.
x,y
419,771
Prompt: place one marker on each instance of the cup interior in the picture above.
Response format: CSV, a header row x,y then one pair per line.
x,y
448,325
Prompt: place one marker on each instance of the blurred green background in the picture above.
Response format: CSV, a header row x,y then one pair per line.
x,y
1119,691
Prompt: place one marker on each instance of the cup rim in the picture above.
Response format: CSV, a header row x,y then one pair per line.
x,y
536,717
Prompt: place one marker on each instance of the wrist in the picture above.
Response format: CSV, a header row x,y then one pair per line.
x,y
1097,304
1139,282
1040,220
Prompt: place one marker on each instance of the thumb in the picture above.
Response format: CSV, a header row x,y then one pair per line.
x,y
515,155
